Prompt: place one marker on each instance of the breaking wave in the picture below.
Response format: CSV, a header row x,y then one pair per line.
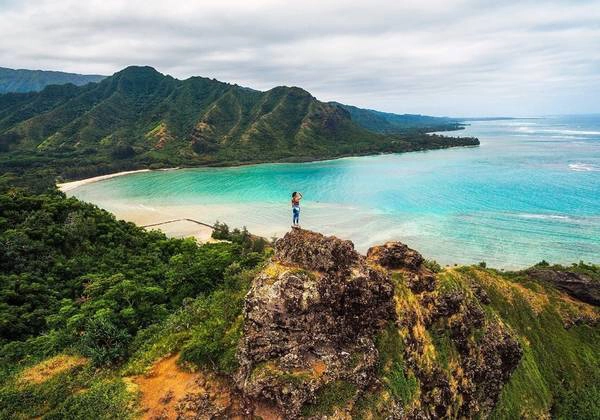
x,y
584,167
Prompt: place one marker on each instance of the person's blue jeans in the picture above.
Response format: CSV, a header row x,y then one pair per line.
x,y
295,214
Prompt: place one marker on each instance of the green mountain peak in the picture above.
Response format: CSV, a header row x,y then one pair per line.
x,y
139,117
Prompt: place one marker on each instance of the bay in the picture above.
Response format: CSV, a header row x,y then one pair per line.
x,y
530,191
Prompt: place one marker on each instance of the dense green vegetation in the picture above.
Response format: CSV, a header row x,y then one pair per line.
x,y
141,118
205,329
35,80
73,280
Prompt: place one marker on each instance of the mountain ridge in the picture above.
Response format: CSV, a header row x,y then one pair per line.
x,y
388,122
139,118
25,80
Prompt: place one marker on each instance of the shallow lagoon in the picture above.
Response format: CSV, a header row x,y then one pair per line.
x,y
531,191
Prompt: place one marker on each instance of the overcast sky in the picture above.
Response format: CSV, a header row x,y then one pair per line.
x,y
439,57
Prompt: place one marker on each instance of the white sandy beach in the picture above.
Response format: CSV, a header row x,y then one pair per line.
x,y
161,218
157,216
68,186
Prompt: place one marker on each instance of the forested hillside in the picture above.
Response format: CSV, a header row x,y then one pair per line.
x,y
23,80
77,283
141,118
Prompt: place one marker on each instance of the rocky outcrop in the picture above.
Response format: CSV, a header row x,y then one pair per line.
x,y
487,368
310,320
315,252
312,316
577,285
398,256
472,387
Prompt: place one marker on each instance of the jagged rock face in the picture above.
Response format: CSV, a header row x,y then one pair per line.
x,y
315,252
312,316
398,256
483,367
488,367
310,319
577,285
395,255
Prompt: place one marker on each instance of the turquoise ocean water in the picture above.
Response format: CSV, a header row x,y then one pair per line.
x,y
531,191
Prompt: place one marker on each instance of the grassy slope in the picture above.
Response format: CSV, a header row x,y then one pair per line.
x,y
558,376
560,370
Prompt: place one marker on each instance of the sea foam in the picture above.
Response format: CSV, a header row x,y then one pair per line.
x,y
584,167
543,216
560,131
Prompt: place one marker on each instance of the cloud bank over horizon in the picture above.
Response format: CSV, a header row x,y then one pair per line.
x,y
452,57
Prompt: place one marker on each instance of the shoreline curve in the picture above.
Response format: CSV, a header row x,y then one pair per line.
x,y
71,185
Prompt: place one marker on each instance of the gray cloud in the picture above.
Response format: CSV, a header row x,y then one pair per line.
x,y
442,57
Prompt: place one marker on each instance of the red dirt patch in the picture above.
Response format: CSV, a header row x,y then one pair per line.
x,y
319,368
163,387
168,392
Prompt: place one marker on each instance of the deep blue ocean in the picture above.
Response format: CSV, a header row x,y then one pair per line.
x,y
530,191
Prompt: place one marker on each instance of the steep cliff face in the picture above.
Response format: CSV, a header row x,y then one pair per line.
x,y
331,332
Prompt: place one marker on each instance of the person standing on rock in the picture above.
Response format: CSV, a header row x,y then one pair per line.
x,y
296,197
